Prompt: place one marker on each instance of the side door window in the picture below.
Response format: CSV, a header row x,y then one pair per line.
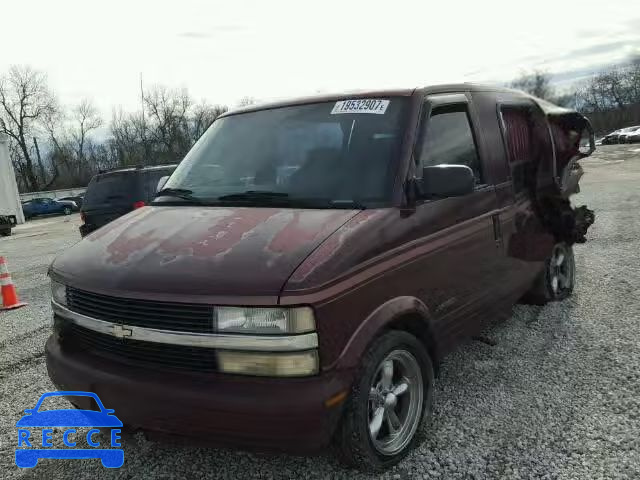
x,y
40,205
448,139
48,205
150,181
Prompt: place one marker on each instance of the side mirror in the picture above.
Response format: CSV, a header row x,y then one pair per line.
x,y
161,183
447,181
587,143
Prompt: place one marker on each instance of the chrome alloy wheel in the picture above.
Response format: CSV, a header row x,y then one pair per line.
x,y
560,270
395,402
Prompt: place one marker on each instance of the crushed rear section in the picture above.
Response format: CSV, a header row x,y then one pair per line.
x,y
573,140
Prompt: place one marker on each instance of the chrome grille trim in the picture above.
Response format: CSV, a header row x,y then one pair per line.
x,y
142,313
255,343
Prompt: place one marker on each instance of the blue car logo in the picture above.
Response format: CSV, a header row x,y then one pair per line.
x,y
68,420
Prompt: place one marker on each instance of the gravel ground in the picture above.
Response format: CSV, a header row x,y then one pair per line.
x,y
557,397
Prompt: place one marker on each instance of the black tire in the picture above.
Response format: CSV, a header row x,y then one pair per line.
x,y
6,233
543,290
353,442
67,211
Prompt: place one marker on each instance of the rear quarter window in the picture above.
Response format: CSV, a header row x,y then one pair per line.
x,y
150,181
111,188
528,145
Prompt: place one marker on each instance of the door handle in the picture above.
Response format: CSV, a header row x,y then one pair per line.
x,y
497,229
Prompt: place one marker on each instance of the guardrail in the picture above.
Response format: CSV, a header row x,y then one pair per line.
x,y
67,192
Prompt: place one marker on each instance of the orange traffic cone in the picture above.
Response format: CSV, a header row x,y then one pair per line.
x,y
9,295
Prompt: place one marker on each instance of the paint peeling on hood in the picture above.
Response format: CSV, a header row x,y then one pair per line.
x,y
192,250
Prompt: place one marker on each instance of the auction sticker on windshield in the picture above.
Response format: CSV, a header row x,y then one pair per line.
x,y
361,105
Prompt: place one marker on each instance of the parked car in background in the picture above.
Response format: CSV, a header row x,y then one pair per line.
x,y
626,137
114,193
47,206
634,137
304,289
614,137
77,199
7,222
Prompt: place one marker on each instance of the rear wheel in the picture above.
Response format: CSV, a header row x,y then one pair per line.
x,y
557,280
388,403
6,233
67,211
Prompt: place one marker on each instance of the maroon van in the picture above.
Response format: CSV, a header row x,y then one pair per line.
x,y
298,278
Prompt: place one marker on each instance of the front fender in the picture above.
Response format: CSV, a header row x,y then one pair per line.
x,y
381,319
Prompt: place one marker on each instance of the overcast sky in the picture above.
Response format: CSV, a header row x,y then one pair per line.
x,y
224,50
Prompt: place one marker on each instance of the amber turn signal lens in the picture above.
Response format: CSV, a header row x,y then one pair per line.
x,y
299,364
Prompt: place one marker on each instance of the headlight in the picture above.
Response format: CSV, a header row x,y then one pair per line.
x,y
58,292
263,320
269,364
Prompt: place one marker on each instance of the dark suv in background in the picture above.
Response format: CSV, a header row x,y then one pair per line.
x,y
117,192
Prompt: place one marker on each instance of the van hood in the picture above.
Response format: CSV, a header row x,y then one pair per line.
x,y
198,254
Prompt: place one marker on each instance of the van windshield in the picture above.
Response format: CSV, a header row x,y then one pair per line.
x,y
323,155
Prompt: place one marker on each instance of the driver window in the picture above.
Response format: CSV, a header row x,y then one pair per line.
x,y
448,139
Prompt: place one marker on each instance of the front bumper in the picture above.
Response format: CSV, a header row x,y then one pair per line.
x,y
211,408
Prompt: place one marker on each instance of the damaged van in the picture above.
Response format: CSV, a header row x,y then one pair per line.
x,y
300,275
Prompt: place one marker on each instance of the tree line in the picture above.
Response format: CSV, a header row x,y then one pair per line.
x,y
610,98
55,146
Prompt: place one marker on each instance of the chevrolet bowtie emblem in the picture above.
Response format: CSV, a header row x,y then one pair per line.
x,y
121,332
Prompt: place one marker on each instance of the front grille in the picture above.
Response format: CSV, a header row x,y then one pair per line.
x,y
75,338
142,313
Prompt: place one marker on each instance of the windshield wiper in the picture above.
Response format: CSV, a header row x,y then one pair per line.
x,y
182,193
348,204
284,198
254,195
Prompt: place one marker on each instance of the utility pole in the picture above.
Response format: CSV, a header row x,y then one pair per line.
x,y
142,97
145,148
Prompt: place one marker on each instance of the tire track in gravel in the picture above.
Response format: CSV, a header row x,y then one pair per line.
x,y
23,351
23,336
25,362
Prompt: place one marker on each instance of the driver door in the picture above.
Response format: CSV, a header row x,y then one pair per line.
x,y
460,275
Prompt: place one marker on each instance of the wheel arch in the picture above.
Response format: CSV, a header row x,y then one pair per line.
x,y
405,313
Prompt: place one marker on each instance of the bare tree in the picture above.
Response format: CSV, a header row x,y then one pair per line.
x,y
613,89
536,83
171,125
86,119
129,138
202,116
167,114
25,102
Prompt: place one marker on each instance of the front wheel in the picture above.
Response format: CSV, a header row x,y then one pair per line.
x,y
558,278
390,398
67,211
